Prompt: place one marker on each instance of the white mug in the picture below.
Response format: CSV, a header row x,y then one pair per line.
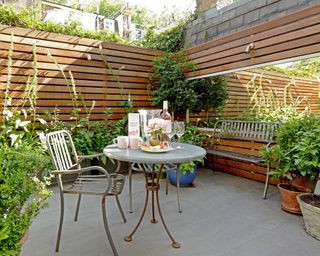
x,y
135,142
122,141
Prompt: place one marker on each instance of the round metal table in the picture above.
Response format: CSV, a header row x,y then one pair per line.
x,y
180,153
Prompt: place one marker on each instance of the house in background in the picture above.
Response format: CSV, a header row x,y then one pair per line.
x,y
121,25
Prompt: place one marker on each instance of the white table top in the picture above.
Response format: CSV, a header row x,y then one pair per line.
x,y
186,153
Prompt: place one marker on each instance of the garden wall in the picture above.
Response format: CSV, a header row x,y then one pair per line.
x,y
129,73
212,24
131,70
289,38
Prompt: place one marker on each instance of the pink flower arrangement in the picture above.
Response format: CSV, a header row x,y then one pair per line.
x,y
156,125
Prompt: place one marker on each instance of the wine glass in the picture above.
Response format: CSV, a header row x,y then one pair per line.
x,y
178,129
170,133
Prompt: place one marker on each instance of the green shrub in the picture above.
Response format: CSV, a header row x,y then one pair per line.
x,y
297,150
21,169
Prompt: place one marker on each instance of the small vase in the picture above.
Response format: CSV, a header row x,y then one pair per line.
x,y
154,140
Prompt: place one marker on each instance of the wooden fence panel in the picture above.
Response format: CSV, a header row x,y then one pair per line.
x,y
293,36
131,70
238,102
126,73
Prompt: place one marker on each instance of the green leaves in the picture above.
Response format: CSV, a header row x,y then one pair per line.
x,y
30,18
20,168
297,150
170,84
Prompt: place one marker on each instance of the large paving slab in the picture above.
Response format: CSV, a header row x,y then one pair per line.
x,y
223,215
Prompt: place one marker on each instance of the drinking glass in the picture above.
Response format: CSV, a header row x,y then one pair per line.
x,y
178,128
172,132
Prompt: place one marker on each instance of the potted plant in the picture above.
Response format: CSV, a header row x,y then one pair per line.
x,y
297,152
187,171
310,207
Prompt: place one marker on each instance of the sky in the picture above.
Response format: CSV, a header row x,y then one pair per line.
x,y
157,5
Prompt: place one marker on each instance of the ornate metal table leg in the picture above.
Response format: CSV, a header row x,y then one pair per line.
x,y
178,188
152,187
130,187
174,243
128,238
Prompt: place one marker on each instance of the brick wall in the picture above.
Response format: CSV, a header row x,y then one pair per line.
x,y
213,23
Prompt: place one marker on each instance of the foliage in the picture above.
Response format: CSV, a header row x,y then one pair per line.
x,y
194,137
297,150
170,83
211,93
269,106
20,168
110,9
187,167
170,40
29,18
23,163
306,68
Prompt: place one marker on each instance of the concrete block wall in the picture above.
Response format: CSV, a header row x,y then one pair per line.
x,y
213,23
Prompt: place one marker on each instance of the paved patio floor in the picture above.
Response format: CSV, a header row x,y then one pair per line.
x,y
223,215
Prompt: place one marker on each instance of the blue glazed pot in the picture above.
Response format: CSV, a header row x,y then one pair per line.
x,y
185,180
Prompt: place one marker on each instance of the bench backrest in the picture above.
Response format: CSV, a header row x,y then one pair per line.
x,y
247,130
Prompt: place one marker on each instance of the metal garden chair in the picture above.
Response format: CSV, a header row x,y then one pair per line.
x,y
66,162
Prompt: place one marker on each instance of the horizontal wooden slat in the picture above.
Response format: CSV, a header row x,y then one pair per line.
x,y
273,41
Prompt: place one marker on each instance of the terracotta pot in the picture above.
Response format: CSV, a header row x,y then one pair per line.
x,y
289,201
304,182
311,216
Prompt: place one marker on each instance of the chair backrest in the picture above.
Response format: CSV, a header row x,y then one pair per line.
x,y
247,130
62,150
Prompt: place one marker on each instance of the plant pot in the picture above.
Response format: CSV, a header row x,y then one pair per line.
x,y
289,201
304,182
185,180
311,215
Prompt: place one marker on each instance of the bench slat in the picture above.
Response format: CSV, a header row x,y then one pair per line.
x,y
237,156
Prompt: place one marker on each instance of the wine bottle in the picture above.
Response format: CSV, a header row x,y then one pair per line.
x,y
165,115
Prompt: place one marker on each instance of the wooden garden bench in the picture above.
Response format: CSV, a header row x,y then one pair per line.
x,y
242,141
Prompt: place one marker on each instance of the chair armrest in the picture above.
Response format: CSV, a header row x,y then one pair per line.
x,y
98,155
90,156
86,169
78,171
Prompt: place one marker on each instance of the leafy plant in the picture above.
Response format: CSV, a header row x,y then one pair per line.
x,y
170,40
19,123
269,106
211,94
297,150
23,163
170,83
21,169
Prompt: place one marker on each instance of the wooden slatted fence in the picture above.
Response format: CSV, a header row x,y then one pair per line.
x,y
294,36
132,66
127,71
238,103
